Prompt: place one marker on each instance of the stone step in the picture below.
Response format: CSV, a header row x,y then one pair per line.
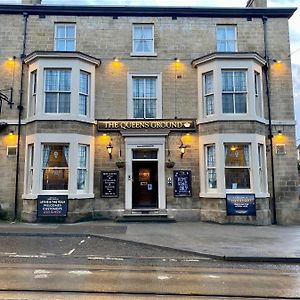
x,y
145,217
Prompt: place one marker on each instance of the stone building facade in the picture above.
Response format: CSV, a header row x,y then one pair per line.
x,y
147,112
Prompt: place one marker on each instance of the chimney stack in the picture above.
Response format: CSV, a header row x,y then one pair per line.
x,y
256,3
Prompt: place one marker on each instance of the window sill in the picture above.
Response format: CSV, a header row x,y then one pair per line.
x,y
141,54
223,195
231,117
70,196
60,117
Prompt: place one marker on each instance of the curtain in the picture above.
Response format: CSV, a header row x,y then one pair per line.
x,y
46,154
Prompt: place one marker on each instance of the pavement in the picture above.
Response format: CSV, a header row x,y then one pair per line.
x,y
273,243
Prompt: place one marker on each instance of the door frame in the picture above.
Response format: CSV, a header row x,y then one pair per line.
x,y
158,143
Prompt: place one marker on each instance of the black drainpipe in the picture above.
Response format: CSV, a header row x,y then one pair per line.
x,y
270,133
20,109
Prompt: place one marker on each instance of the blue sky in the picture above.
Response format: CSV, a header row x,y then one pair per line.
x,y
294,25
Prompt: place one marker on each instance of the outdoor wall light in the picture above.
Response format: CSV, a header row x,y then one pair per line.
x,y
182,150
11,132
277,61
177,59
115,59
280,133
109,148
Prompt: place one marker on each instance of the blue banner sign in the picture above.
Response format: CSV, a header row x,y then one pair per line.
x,y
52,206
241,204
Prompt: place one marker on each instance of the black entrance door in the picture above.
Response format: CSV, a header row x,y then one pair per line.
x,y
145,184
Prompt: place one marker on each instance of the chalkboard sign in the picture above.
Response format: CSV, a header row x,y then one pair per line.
x,y
182,183
240,204
109,182
52,206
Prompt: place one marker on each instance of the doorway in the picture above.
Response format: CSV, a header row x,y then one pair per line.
x,y
144,184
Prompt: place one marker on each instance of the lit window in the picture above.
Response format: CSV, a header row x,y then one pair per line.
x,y
208,93
143,38
57,90
82,173
55,167
65,37
234,92
226,38
211,175
237,166
84,93
144,97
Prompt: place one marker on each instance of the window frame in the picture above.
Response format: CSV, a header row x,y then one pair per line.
x,y
235,92
142,53
226,41
206,94
65,38
86,95
83,168
71,139
58,92
210,168
33,93
259,105
158,87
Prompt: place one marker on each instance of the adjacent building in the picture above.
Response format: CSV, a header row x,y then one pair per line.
x,y
147,112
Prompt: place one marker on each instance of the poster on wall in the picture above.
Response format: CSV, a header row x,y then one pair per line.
x,y
241,204
52,206
182,183
109,184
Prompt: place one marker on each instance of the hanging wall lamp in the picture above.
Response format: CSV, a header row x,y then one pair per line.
x,y
109,148
182,149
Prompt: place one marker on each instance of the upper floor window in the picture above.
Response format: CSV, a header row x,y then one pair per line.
x,y
257,94
84,91
143,39
144,96
226,38
33,90
234,91
208,102
65,37
57,90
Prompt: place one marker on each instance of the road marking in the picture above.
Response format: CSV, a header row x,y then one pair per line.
x,y
105,258
213,276
70,252
81,242
41,272
8,253
27,256
191,260
80,272
163,277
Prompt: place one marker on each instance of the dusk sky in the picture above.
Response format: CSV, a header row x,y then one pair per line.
x,y
294,26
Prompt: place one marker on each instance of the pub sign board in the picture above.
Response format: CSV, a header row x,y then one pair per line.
x,y
182,183
52,206
109,184
241,204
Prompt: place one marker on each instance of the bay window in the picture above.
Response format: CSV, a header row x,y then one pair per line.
x,y
32,100
82,168
55,167
234,91
57,90
84,93
237,166
208,94
30,158
211,175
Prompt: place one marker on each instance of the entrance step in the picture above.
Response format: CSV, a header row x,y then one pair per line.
x,y
146,216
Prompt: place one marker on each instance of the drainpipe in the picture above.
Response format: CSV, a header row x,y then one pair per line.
x,y
20,109
270,132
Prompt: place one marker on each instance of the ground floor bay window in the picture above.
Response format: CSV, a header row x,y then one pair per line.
x,y
59,164
233,163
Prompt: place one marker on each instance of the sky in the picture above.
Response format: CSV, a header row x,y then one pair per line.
x,y
294,24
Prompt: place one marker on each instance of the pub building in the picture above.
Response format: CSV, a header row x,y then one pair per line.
x,y
147,113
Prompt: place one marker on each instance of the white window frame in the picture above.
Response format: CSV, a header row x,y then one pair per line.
x,y
65,38
258,94
83,168
207,95
58,91
158,77
209,167
75,65
234,92
250,64
226,40
73,140
142,53
219,140
30,168
33,93
84,94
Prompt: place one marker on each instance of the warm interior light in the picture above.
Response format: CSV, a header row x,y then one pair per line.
x,y
233,148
